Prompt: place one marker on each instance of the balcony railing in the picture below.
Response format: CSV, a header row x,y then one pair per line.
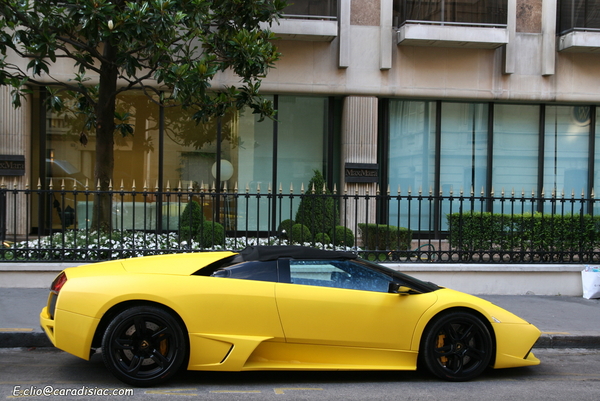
x,y
57,224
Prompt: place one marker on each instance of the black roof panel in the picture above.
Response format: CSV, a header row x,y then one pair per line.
x,y
264,253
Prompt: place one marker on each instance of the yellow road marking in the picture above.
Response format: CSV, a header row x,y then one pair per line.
x,y
282,390
236,391
16,330
555,332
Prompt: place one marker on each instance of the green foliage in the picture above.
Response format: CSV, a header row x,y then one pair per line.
x,y
301,233
536,232
342,236
322,238
190,221
285,228
210,233
171,49
317,210
385,237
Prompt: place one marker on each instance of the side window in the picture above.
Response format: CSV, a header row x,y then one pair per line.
x,y
338,274
259,271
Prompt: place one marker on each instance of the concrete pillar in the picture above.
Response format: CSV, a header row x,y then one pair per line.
x,y
548,36
359,145
15,139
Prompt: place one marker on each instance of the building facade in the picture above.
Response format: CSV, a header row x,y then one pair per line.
x,y
436,96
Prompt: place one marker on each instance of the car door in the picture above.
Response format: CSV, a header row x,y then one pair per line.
x,y
345,303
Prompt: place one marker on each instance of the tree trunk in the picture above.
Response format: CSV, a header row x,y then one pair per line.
x,y
105,128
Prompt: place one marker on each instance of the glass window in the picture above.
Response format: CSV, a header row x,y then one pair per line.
x,y
516,144
338,274
318,8
259,271
456,11
566,150
411,159
464,147
578,15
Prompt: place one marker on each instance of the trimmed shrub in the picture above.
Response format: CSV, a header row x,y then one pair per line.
x,y
317,211
385,238
322,238
301,233
342,236
190,221
210,234
285,228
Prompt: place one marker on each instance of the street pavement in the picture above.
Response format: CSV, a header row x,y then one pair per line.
x,y
565,322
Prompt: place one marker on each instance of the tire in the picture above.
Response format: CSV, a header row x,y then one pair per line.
x,y
456,346
144,346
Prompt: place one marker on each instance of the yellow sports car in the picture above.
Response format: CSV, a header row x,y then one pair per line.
x,y
275,308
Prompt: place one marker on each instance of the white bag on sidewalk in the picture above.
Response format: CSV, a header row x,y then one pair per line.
x,y
590,279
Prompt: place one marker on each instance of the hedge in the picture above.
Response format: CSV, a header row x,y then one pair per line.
x,y
385,237
536,232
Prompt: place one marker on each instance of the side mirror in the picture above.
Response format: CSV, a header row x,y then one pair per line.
x,y
396,288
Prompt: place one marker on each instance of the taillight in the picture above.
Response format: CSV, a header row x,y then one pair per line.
x,y
58,283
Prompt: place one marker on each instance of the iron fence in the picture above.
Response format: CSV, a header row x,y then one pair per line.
x,y
52,224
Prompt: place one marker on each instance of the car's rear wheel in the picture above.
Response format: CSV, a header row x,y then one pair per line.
x,y
144,346
457,346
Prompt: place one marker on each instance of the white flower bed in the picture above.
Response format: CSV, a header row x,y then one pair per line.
x,y
83,246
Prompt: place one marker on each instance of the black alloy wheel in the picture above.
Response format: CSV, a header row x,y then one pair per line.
x,y
144,346
457,346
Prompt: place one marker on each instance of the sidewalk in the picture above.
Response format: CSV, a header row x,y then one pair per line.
x,y
565,322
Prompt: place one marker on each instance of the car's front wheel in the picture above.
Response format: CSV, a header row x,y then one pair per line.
x,y
457,346
144,346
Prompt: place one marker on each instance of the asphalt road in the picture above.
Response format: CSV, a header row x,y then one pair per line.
x,y
567,374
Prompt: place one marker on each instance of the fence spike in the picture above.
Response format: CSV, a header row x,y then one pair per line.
x,y
258,187
335,189
291,188
247,188
179,185
50,185
39,185
62,184
324,189
302,189
430,191
2,183
573,193
482,191
345,189
563,193
492,192
145,186
592,194
409,191
224,186
168,186
110,185
472,190
312,190
235,188
269,188
133,185
280,187
543,192
388,190
420,191
87,184
27,184
15,183
122,186
582,193
399,192
156,189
